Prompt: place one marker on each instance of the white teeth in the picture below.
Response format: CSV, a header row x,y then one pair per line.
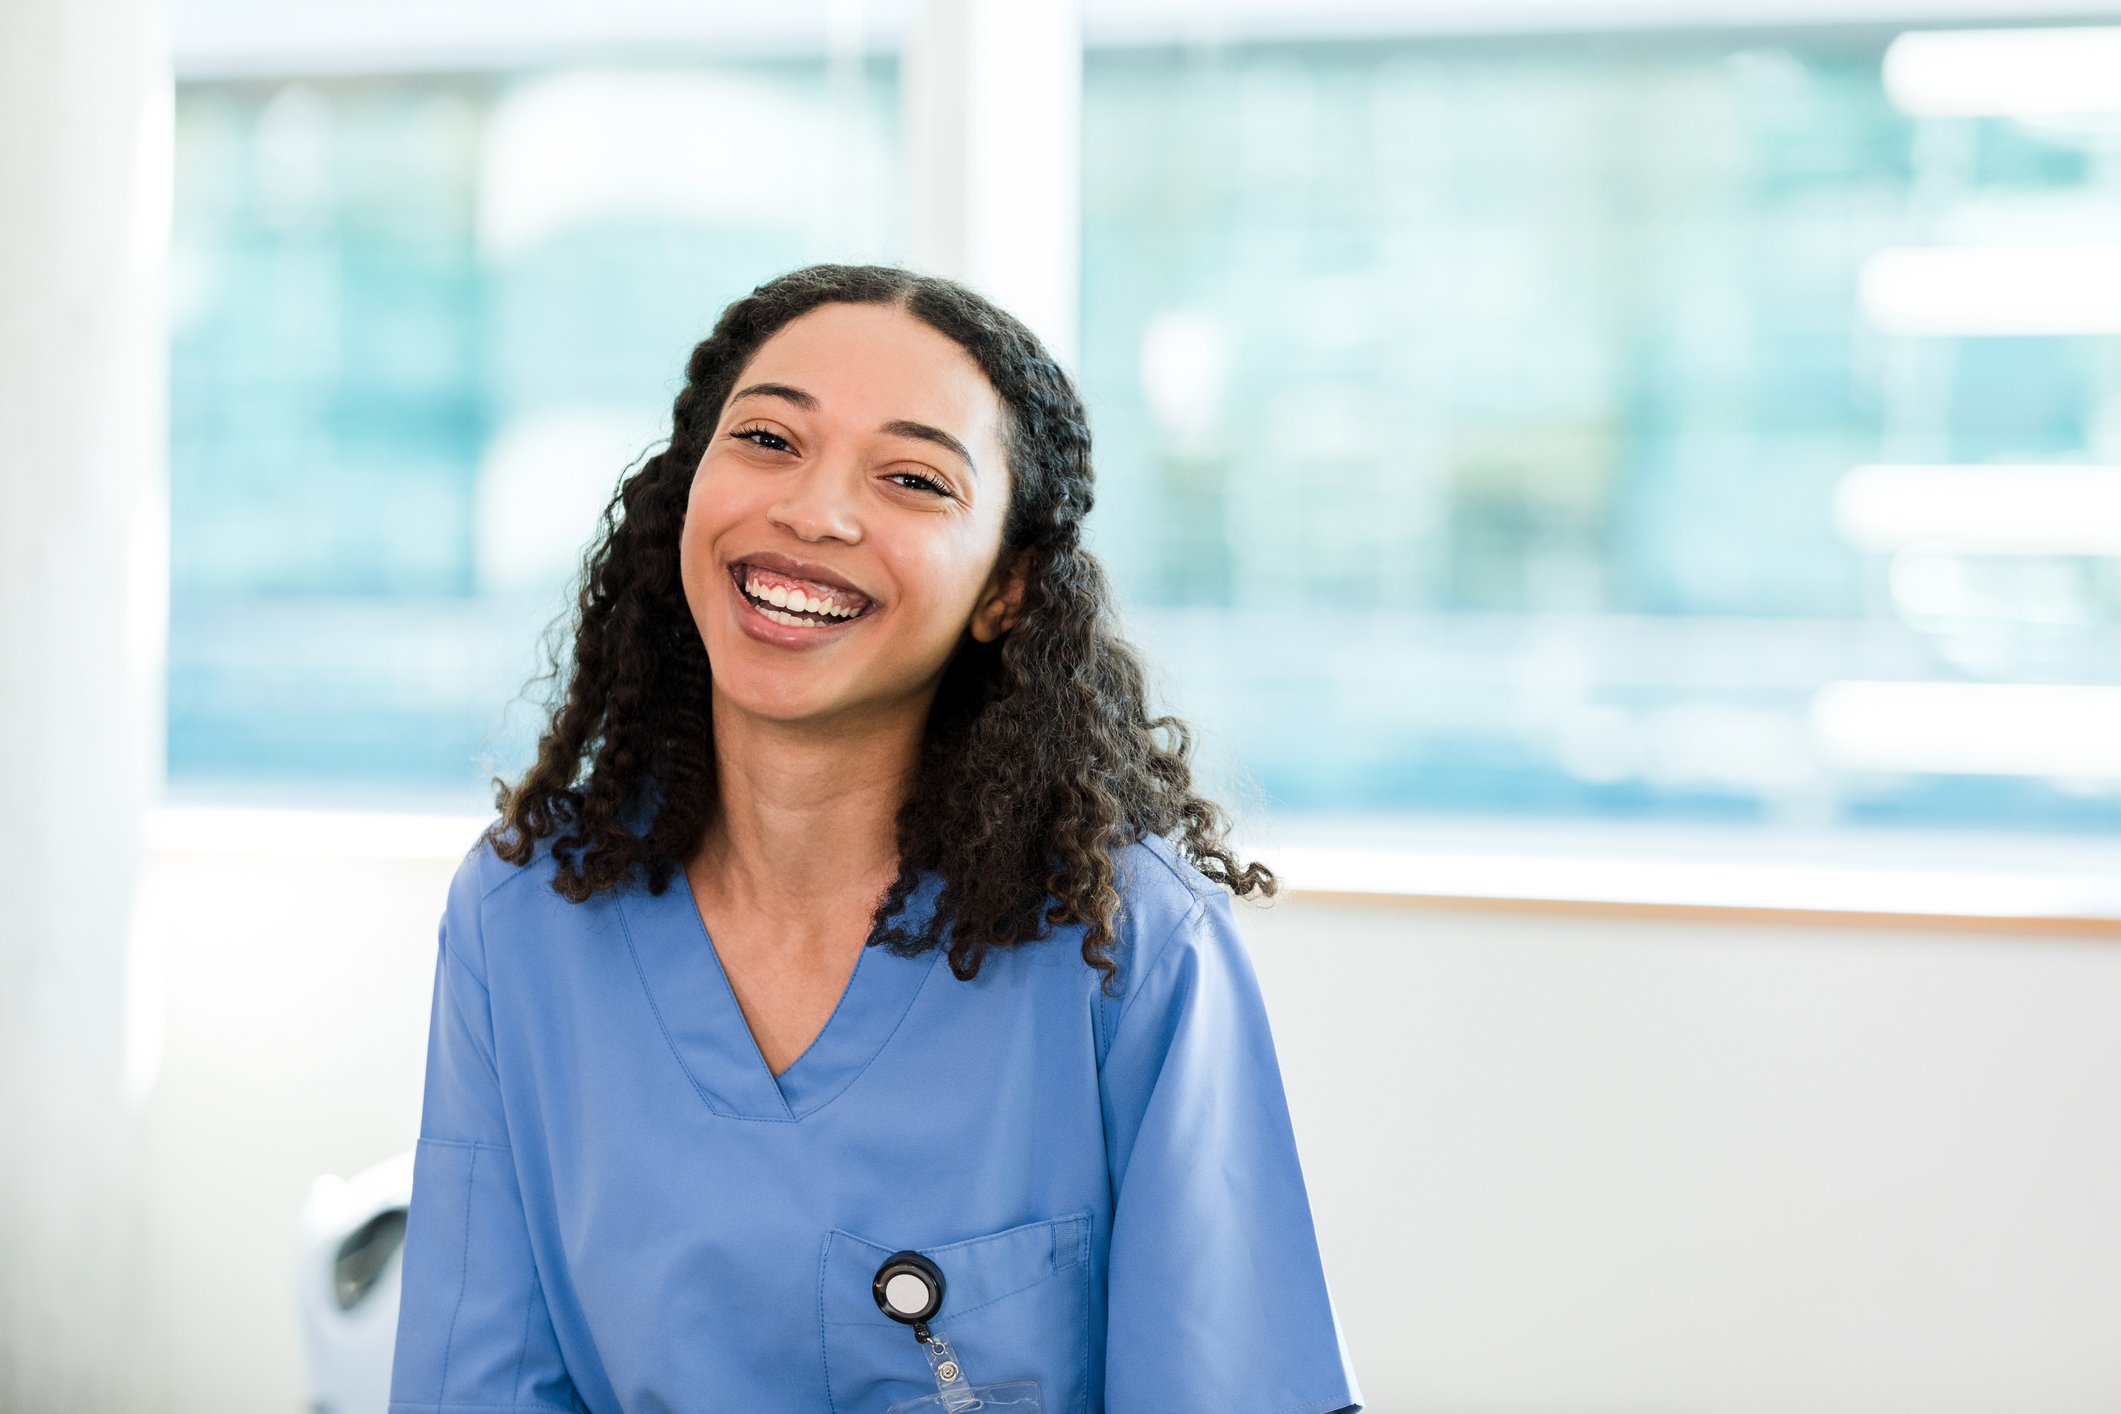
x,y
789,619
794,600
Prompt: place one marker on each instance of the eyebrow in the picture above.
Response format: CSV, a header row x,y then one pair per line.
x,y
897,427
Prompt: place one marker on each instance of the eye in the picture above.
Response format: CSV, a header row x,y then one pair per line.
x,y
933,485
748,433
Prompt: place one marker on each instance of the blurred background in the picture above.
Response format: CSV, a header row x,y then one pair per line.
x,y
1629,495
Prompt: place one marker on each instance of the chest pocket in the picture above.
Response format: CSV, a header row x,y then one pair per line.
x,y
1016,1306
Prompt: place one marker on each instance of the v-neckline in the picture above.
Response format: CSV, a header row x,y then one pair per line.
x,y
714,950
697,1007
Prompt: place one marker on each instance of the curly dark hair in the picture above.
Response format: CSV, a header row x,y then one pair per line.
x,y
1038,758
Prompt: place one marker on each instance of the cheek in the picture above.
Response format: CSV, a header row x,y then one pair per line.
x,y
706,511
951,572
698,536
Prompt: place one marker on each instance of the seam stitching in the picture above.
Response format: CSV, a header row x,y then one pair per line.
x,y
1199,909
471,1173
1082,1294
824,1346
641,974
515,1381
926,978
484,847
1052,1265
457,1004
464,1143
1167,856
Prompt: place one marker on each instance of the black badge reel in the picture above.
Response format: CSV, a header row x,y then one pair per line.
x,y
909,1289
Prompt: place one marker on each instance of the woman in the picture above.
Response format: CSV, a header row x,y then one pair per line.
x,y
851,702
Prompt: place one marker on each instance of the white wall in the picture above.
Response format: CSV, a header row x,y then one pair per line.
x,y
1566,1165
1606,1165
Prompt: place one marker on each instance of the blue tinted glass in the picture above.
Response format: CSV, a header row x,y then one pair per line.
x,y
1473,417
1477,421
421,327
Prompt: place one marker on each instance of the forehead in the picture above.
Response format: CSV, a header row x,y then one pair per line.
x,y
874,363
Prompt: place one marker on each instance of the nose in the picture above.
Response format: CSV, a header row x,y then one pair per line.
x,y
820,500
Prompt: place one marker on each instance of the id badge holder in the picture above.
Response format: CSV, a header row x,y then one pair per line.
x,y
909,1289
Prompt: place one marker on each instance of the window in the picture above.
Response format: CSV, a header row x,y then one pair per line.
x,y
422,326
1544,428
1664,426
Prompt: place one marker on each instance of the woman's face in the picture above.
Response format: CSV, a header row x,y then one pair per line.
x,y
859,459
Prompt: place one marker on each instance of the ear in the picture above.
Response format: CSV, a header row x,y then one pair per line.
x,y
1004,601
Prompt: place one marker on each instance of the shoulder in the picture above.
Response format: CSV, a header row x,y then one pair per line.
x,y
1160,891
482,879
1169,912
482,872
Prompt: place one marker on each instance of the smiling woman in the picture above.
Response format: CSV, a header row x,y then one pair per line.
x,y
843,667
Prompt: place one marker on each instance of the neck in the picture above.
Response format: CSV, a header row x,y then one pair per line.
x,y
805,820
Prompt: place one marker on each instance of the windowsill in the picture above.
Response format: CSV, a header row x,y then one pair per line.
x,y
1988,882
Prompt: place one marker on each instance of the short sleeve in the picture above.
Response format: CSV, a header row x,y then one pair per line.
x,y
1217,1297
473,1329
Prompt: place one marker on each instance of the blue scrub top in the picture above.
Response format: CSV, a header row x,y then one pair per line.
x,y
617,1206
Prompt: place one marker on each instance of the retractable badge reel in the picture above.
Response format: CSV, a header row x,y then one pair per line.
x,y
909,1289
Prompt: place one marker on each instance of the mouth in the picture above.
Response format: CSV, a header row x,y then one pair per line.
x,y
795,603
